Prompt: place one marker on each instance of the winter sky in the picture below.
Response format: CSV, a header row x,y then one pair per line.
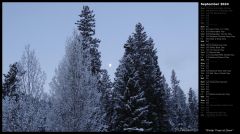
x,y
46,27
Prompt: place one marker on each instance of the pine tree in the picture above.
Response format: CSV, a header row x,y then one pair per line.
x,y
138,87
11,82
86,26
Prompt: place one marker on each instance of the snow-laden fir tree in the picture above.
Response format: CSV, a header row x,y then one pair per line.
x,y
193,110
11,81
106,100
178,98
138,88
168,105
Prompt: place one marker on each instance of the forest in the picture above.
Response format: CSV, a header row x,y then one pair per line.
x,y
84,99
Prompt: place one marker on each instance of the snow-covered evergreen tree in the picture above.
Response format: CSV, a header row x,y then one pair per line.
x,y
138,87
11,81
106,100
192,110
168,106
178,118
10,99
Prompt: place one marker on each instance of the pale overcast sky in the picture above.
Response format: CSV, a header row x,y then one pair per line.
x,y
46,26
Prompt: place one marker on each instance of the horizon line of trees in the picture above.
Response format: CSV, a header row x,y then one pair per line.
x,y
83,98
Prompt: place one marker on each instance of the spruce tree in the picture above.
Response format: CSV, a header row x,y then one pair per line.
x,y
11,82
10,98
178,117
138,87
106,100
193,110
168,106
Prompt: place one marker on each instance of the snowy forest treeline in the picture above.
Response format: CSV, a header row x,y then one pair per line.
x,y
82,96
